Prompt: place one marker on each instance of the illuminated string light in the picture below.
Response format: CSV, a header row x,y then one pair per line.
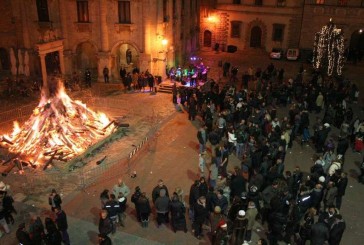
x,y
328,52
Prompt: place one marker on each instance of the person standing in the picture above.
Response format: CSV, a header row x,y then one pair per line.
x,y
121,187
162,208
174,93
337,230
178,216
61,221
202,138
53,236
54,200
200,215
157,189
341,187
105,72
105,224
104,240
319,233
36,230
144,209
134,199
251,214
23,236
88,78
113,208
239,228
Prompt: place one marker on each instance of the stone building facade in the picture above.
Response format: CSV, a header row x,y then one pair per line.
x,y
72,35
282,24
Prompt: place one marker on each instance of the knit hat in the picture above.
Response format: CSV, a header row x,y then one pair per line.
x,y
241,213
326,125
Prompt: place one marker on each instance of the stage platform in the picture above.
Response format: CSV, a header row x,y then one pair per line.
x,y
167,85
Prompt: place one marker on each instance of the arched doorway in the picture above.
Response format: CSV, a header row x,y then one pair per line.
x,y
86,57
4,60
125,56
207,36
356,49
256,37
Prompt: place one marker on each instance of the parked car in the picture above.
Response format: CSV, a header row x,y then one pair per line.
x,y
277,53
292,54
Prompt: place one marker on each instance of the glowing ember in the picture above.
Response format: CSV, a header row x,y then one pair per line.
x,y
59,128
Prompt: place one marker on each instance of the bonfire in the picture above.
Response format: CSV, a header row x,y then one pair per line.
x,y
58,129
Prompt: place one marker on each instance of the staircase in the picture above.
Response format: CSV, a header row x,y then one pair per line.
x,y
165,87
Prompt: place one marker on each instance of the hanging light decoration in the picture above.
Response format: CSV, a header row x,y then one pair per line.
x,y
328,51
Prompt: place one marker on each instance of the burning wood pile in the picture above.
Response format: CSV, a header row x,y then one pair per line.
x,y
58,129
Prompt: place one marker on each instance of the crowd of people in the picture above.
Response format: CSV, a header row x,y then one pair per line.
x,y
241,120
245,122
52,232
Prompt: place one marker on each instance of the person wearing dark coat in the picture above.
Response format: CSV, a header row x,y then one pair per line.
x,y
337,230
104,240
239,228
134,199
105,223
341,187
144,209
54,199
157,189
194,193
23,236
62,225
342,146
319,233
192,108
237,185
222,202
53,236
200,215
276,223
36,230
203,187
178,211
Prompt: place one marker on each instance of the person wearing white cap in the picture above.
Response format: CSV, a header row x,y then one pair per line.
x,y
239,228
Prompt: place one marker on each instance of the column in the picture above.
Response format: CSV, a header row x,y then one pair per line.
x,y
61,61
103,26
44,72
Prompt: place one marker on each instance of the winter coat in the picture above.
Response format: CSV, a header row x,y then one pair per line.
x,y
162,203
336,232
237,186
61,221
334,167
239,229
156,191
121,189
56,199
251,214
143,206
177,209
319,234
341,186
105,226
194,195
330,196
200,213
23,237
342,146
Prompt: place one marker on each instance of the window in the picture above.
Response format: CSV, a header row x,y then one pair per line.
x,y
82,11
258,2
342,2
124,12
235,29
42,8
278,32
237,2
281,3
320,1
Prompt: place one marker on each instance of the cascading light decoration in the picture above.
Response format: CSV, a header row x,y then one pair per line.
x,y
328,52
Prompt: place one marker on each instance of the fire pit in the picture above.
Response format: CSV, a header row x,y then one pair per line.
x,y
58,129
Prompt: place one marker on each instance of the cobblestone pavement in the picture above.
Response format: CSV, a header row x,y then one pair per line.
x,y
172,156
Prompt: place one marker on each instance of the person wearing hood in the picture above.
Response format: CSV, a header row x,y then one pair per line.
x,y
162,208
221,234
